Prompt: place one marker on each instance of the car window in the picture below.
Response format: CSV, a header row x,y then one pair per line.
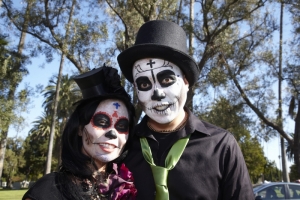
x,y
272,192
294,191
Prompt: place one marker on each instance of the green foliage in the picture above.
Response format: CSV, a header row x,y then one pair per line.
x,y
294,175
35,153
36,143
12,72
78,33
254,157
14,160
69,93
271,172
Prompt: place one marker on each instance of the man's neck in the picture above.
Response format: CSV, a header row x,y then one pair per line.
x,y
168,127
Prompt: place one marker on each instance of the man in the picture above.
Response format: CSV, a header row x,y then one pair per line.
x,y
174,155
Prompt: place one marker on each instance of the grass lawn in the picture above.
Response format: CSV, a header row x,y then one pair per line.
x,y
12,194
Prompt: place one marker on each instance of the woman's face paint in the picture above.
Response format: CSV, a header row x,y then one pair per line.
x,y
106,134
160,87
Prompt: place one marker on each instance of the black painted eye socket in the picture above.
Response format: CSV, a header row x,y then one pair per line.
x,y
101,120
122,125
143,83
166,78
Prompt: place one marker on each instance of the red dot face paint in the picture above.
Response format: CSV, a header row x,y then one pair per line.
x,y
115,114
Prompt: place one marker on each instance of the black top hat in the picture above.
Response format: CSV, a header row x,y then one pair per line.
x,y
101,82
160,39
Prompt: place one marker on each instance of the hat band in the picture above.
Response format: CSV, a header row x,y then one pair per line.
x,y
96,90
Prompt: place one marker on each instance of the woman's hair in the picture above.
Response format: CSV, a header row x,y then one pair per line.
x,y
73,160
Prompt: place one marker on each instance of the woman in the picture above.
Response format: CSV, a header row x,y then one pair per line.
x,y
93,144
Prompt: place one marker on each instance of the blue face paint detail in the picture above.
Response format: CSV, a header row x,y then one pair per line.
x,y
117,105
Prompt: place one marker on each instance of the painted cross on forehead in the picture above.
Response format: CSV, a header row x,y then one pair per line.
x,y
151,66
139,69
115,112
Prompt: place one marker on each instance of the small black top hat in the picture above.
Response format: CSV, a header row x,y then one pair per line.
x,y
160,39
101,82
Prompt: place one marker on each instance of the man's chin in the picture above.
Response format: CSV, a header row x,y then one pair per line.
x,y
162,119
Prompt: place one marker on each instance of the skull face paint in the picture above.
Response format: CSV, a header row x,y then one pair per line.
x,y
106,134
161,88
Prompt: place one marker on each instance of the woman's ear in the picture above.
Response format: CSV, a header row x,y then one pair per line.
x,y
80,131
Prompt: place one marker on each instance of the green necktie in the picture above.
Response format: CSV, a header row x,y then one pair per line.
x,y
160,174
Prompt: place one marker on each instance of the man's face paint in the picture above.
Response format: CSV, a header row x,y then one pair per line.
x,y
161,88
106,134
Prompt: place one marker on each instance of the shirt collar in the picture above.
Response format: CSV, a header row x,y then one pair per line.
x,y
195,124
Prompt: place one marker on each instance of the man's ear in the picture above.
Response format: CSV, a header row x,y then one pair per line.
x,y
186,82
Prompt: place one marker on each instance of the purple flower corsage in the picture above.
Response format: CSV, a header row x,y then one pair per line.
x,y
119,186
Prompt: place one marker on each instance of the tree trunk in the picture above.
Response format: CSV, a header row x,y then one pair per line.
x,y
3,142
191,40
191,92
285,175
52,129
297,139
179,11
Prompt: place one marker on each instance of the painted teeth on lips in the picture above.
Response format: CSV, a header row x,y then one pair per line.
x,y
161,107
109,146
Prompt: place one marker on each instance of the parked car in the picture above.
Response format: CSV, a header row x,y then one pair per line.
x,y
277,190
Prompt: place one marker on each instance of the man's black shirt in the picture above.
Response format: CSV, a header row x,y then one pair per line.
x,y
211,167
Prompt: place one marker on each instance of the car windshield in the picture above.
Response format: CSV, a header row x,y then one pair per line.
x,y
257,187
270,191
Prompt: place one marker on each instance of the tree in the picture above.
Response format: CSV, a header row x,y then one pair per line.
x,y
35,154
271,172
35,146
242,60
294,173
87,32
292,75
283,152
13,161
12,72
73,38
69,93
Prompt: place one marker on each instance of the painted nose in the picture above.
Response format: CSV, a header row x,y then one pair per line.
x,y
111,134
158,95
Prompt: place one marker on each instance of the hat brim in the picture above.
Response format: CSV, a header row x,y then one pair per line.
x,y
186,63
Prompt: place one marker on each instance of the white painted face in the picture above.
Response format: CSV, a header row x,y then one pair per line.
x,y
106,134
161,88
